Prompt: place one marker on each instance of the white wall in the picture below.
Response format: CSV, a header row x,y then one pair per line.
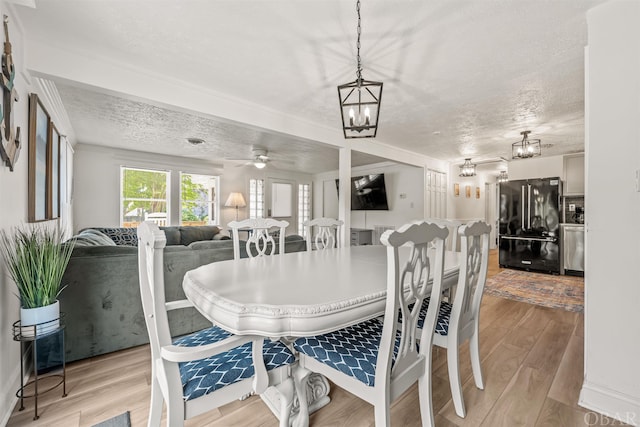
x,y
237,179
405,195
461,207
14,212
97,183
612,316
536,167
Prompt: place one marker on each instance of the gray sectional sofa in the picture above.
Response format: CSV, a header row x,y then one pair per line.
x,y
102,306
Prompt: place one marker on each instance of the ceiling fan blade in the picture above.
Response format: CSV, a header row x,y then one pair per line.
x,y
237,160
239,165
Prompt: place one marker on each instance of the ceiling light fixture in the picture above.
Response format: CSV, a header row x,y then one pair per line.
x,y
526,148
467,168
503,177
360,101
260,163
195,141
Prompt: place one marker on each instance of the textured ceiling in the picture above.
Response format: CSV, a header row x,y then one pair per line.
x,y
461,78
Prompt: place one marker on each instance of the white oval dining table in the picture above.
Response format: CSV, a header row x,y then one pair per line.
x,y
298,294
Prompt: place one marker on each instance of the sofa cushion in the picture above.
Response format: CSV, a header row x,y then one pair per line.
x,y
103,251
211,244
91,237
172,234
192,234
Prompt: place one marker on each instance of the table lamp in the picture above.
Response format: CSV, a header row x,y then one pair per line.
x,y
236,200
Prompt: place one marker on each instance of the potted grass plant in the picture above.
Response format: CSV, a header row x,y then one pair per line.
x,y
36,259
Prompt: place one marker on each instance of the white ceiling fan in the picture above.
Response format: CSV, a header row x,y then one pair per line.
x,y
259,158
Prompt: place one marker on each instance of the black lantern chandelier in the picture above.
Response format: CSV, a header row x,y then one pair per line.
x,y
526,148
503,177
360,101
467,168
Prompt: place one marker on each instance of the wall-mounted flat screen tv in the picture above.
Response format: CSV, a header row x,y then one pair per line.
x,y
368,193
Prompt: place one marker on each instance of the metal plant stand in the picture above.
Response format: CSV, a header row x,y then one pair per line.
x,y
33,333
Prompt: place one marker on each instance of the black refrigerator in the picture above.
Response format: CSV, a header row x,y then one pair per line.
x,y
529,231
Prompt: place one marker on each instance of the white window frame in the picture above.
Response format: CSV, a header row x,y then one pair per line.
x,y
256,197
167,199
304,208
213,203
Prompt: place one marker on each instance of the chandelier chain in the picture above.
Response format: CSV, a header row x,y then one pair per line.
x,y
359,69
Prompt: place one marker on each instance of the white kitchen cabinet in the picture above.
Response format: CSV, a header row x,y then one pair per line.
x,y
573,175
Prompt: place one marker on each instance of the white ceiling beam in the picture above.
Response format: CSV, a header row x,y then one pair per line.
x,y
111,77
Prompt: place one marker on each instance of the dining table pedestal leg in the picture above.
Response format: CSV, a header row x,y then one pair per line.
x,y
312,387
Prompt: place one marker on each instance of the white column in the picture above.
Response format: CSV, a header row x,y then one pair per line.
x,y
612,159
344,195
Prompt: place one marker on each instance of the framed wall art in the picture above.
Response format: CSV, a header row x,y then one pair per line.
x,y
53,174
39,147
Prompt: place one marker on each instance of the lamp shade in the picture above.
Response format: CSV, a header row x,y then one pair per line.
x,y
235,200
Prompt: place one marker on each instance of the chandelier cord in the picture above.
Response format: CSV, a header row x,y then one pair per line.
x,y
359,69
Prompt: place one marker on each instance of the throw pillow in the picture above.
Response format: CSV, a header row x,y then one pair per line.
x,y
190,234
91,237
122,236
172,234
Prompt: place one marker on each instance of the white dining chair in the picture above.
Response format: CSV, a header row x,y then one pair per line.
x,y
453,226
458,321
209,368
327,232
378,360
260,239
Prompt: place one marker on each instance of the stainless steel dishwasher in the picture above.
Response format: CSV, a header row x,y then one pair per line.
x,y
573,249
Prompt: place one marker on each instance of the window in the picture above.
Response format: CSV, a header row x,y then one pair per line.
x,y
143,196
304,207
199,204
256,198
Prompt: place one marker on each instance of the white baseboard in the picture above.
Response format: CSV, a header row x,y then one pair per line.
x,y
611,403
9,398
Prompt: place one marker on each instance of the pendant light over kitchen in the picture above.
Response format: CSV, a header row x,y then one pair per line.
x,y
360,101
526,148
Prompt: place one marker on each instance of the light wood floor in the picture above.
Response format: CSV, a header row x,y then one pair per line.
x,y
532,360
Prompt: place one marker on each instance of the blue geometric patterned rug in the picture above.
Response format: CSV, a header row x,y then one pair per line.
x,y
122,420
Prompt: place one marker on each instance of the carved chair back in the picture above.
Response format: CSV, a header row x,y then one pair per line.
x,y
260,241
170,360
327,232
